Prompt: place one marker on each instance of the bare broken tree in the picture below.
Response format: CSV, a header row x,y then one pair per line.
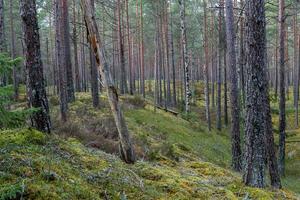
x,y
126,147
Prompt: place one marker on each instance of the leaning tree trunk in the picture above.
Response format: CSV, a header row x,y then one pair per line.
x,y
185,56
126,147
258,130
234,96
282,120
34,68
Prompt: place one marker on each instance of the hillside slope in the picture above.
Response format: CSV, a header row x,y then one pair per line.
x,y
178,159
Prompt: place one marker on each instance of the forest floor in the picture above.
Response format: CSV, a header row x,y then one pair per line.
x,y
178,157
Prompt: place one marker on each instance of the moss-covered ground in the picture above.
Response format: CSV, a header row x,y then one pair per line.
x,y
178,158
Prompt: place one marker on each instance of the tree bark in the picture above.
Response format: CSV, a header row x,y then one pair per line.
x,y
234,94
60,62
67,49
94,71
259,140
185,55
206,72
34,68
219,71
75,43
13,51
282,120
126,147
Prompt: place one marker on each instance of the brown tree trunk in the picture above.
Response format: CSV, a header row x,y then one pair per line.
x,y
219,72
34,68
13,50
234,96
206,72
94,72
282,120
75,43
142,75
67,49
129,50
60,62
126,147
123,86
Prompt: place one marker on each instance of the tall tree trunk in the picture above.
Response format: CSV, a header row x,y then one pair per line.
x,y
60,62
126,147
219,75
94,72
282,120
206,72
129,50
296,78
75,43
142,75
225,88
13,50
242,57
67,49
173,62
34,68
234,96
123,86
256,95
185,55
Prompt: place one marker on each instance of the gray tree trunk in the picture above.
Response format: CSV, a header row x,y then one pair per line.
x,y
234,93
259,139
185,56
34,68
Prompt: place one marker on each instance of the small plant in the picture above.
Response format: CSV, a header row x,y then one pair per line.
x,y
10,191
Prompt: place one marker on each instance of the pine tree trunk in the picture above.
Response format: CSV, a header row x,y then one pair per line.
x,y
206,72
142,78
173,62
34,68
257,103
242,61
129,50
225,88
123,86
13,51
67,49
282,122
234,94
75,43
296,78
60,62
219,72
126,147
